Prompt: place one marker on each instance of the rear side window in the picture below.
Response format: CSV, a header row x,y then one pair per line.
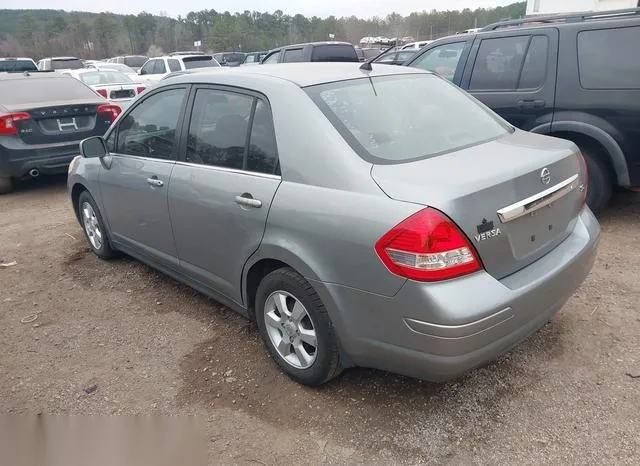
x,y
174,65
39,91
498,63
201,61
66,64
610,58
17,66
424,116
335,53
534,70
262,156
292,55
218,129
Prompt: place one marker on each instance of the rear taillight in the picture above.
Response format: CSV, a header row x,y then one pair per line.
x,y
427,246
8,122
112,110
140,89
584,176
102,92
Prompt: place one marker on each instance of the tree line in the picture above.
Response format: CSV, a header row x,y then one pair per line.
x,y
41,33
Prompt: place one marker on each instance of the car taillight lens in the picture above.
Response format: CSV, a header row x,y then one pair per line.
x,y
102,92
112,110
140,89
427,246
585,178
8,122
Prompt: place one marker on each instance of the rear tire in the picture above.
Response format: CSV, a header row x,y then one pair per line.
x,y
305,348
600,187
6,184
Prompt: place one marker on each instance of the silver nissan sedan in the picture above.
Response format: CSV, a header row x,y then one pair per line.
x,y
363,217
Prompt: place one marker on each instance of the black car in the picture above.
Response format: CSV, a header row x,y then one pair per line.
x,y
43,118
575,76
395,57
313,52
229,58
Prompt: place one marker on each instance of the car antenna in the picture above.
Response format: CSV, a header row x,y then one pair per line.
x,y
366,66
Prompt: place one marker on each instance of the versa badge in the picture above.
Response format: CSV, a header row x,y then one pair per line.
x,y
486,230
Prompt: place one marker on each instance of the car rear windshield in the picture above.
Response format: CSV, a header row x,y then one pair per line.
x,y
334,52
66,64
233,57
39,91
401,118
17,66
201,61
135,62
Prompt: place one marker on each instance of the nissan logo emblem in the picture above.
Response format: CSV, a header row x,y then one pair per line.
x,y
545,176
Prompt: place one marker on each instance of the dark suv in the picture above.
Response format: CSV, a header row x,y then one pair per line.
x,y
313,52
574,76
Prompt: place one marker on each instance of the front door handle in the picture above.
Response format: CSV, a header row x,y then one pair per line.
x,y
531,103
247,200
154,181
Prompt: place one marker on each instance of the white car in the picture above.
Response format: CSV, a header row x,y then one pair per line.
x,y
156,68
415,45
124,69
118,88
17,65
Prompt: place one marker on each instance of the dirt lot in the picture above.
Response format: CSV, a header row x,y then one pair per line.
x,y
149,345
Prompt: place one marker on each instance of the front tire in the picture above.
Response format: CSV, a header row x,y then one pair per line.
x,y
6,184
296,328
93,226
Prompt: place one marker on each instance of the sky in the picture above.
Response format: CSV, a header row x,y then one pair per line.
x,y
322,8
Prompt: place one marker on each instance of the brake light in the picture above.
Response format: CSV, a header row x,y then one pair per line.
x,y
112,110
102,92
8,122
427,246
585,178
140,89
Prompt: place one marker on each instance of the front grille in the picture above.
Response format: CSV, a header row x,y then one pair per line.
x,y
122,94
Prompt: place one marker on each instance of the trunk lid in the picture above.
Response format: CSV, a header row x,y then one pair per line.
x,y
516,198
61,123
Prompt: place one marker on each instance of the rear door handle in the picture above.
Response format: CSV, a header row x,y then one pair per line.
x,y
247,200
154,181
531,103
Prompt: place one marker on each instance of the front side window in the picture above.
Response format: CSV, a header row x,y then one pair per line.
x,y
498,64
148,67
149,130
609,58
219,128
443,60
424,116
273,58
159,67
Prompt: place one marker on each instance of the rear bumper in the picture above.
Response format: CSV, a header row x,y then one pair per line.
x,y
48,159
437,331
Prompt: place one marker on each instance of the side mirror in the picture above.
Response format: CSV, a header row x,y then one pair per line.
x,y
93,147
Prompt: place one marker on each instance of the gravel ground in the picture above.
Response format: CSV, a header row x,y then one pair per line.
x,y
141,343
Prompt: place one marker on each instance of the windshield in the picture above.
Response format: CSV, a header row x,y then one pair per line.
x,y
201,61
407,117
66,64
94,78
135,62
17,66
334,52
39,91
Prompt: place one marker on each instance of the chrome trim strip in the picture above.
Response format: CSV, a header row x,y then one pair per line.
x,y
459,331
537,201
230,170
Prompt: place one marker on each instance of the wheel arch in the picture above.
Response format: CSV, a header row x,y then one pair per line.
x,y
611,150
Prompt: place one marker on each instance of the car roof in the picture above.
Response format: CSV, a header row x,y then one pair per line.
x,y
61,58
178,57
32,75
15,58
302,74
326,42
